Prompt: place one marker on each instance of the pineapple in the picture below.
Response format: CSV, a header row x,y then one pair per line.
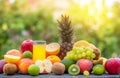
x,y
66,34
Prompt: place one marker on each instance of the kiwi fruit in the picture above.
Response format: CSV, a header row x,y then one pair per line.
x,y
74,70
96,51
9,69
58,68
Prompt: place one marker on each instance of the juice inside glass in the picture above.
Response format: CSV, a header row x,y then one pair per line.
x,y
39,52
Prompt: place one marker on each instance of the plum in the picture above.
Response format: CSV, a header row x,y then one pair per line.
x,y
2,63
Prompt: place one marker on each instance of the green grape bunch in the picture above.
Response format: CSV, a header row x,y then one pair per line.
x,y
81,53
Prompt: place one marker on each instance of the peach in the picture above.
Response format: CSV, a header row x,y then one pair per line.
x,y
24,64
85,65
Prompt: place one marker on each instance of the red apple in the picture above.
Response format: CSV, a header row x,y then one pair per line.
x,y
2,63
113,66
85,65
27,45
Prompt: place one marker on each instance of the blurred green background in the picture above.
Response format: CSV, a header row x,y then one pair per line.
x,y
97,21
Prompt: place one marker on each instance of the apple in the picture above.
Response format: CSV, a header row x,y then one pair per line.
x,y
113,66
27,45
45,66
2,63
84,65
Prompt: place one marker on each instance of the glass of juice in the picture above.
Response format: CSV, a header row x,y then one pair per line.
x,y
39,52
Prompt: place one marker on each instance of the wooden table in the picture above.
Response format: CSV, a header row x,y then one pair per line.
x,y
58,76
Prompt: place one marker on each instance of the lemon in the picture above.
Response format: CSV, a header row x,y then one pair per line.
x,y
11,58
27,54
33,70
53,48
98,69
81,43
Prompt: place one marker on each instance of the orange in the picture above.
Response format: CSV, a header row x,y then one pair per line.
x,y
11,58
53,49
47,55
14,52
54,58
81,43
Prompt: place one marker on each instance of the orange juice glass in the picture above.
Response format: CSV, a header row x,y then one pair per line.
x,y
39,52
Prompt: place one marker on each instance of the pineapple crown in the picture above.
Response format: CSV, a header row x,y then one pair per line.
x,y
65,29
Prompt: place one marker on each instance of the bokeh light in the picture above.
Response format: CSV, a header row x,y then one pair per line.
x,y
97,21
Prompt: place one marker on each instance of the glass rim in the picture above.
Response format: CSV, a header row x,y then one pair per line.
x,y
39,41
